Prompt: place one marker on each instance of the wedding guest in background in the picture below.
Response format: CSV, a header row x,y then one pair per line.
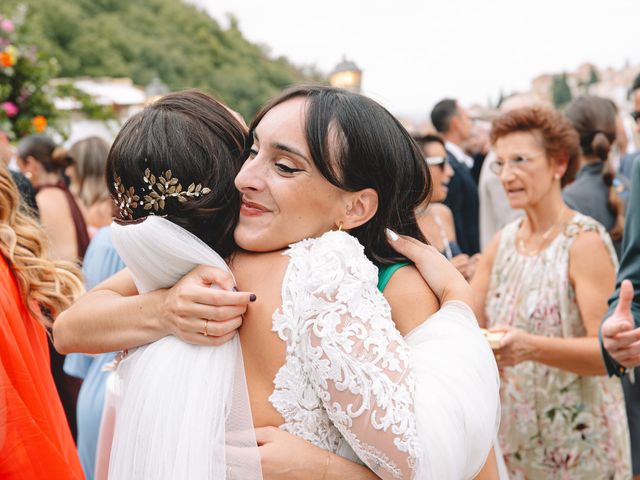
x,y
35,439
629,160
454,125
593,192
43,164
100,262
620,334
544,281
435,219
27,193
495,211
88,182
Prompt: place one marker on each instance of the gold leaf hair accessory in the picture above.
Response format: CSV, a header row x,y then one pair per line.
x,y
160,189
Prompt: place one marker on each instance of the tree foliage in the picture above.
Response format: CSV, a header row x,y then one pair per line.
x,y
560,91
26,104
168,39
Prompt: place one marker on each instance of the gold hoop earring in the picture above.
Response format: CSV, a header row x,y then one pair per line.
x,y
340,227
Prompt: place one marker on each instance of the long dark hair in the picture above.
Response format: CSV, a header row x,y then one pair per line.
x,y
54,159
199,141
594,118
355,143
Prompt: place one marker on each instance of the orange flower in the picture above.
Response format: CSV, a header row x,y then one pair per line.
x,y
39,123
7,59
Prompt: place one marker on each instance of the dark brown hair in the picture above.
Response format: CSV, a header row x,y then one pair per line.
x,y
44,150
594,118
200,142
559,138
356,144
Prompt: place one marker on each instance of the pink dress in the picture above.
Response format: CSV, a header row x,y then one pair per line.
x,y
555,424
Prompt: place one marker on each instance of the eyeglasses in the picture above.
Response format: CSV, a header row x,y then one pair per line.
x,y
436,161
635,115
517,163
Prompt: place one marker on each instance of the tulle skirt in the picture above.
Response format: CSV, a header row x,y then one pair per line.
x,y
165,426
457,397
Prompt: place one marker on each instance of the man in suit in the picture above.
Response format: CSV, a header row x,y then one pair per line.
x,y
620,331
620,341
454,125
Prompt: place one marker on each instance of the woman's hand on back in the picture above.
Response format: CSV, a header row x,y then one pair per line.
x,y
192,303
443,278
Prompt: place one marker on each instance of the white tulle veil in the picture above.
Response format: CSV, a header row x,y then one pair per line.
x,y
181,411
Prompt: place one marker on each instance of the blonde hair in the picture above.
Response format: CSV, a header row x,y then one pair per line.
x,y
53,285
90,159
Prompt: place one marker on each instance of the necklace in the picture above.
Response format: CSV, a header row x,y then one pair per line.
x,y
545,236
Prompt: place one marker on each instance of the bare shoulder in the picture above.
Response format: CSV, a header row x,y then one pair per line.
x,y
589,253
585,242
411,299
262,274
52,204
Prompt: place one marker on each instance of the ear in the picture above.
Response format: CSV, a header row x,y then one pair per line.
x,y
360,207
31,162
560,167
454,123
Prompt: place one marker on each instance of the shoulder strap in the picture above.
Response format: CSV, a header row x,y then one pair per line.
x,y
386,272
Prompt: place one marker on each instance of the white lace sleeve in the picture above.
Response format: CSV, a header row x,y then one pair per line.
x,y
355,358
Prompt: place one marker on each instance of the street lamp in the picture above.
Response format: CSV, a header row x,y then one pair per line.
x,y
155,90
346,75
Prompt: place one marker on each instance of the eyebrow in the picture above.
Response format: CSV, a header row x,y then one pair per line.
x,y
285,148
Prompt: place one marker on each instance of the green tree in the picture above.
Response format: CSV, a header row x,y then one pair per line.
x,y
168,39
560,91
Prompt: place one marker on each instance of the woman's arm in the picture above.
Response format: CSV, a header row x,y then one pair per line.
x,y
285,456
114,317
592,275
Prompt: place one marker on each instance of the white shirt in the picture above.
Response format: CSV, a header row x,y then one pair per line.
x,y
460,155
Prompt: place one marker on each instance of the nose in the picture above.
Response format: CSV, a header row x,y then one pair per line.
x,y
251,177
448,171
507,173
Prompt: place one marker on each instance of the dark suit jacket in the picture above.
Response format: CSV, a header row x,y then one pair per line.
x,y
463,201
629,264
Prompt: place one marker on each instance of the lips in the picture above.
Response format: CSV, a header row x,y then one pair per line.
x,y
252,209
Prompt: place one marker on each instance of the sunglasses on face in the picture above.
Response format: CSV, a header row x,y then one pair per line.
x,y
436,161
635,115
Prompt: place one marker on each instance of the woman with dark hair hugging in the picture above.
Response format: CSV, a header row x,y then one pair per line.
x,y
326,173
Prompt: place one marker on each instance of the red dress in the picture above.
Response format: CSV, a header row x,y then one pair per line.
x,y
35,441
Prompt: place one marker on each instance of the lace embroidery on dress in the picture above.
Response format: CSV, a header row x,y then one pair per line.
x,y
347,370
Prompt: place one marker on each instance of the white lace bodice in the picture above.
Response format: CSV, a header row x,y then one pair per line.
x,y
347,371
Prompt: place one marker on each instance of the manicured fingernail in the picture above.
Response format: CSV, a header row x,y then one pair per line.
x,y
391,235
235,289
252,297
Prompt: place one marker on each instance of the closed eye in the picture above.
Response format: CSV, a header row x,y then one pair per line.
x,y
286,169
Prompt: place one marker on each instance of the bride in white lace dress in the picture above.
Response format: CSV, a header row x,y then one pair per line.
x,y
335,370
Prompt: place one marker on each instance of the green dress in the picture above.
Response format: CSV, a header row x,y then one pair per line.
x,y
386,272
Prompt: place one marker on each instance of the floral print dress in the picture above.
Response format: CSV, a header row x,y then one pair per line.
x,y
555,424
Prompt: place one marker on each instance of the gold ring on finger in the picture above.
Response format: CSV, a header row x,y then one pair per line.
x,y
497,356
205,333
